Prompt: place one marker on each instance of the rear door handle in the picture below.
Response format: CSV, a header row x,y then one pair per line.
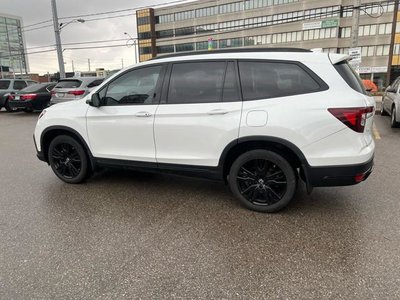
x,y
143,114
218,111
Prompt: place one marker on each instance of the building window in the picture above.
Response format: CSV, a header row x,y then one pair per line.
x,y
207,28
184,47
165,49
206,11
144,35
144,50
184,15
165,33
204,45
345,32
165,18
382,50
228,43
230,7
143,20
184,31
368,51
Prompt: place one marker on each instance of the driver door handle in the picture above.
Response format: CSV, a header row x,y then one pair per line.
x,y
143,114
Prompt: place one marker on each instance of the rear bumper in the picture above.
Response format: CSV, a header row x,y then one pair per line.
x,y
37,105
339,175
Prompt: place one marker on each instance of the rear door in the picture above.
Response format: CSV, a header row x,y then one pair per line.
x,y
199,114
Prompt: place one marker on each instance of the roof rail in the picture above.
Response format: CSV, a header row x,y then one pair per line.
x,y
232,51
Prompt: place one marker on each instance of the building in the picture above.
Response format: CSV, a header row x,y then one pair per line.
x,y
13,58
325,24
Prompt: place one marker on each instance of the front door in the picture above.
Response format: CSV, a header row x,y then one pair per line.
x,y
122,127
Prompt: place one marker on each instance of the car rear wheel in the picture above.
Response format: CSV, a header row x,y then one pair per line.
x,y
8,107
262,180
393,122
68,159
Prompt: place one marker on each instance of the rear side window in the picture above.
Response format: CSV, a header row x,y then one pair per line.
x,y
197,82
19,84
262,80
33,88
4,84
350,76
68,84
95,83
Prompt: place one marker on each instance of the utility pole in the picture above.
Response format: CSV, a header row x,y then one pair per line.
x,y
58,39
122,63
392,42
88,60
73,68
356,23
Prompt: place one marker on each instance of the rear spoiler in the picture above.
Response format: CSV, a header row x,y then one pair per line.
x,y
337,58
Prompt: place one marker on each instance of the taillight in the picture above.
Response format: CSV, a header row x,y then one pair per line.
x,y
10,97
28,96
53,93
353,117
77,92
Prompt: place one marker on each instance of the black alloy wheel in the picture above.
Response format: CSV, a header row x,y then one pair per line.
x,y
263,180
393,122
68,159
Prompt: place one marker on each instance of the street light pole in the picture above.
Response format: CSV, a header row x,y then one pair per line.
x,y
134,44
58,39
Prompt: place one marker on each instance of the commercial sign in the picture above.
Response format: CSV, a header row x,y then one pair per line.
x,y
321,24
355,54
368,70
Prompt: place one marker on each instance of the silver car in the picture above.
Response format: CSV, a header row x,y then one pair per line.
x,y
391,103
68,89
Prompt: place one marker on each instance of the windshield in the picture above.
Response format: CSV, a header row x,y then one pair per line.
x,y
4,84
68,84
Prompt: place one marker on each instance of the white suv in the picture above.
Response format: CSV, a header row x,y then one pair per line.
x,y
255,118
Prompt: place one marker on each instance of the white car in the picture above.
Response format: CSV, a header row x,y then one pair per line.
x,y
391,103
254,118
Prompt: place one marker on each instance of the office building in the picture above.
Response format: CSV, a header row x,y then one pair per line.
x,y
325,24
13,57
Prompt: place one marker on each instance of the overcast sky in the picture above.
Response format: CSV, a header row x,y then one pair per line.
x,y
34,11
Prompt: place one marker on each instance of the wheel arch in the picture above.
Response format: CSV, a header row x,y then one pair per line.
x,y
283,147
51,132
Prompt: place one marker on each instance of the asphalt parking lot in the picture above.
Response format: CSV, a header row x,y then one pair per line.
x,y
133,235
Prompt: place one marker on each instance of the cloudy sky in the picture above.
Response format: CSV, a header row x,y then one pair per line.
x,y
34,11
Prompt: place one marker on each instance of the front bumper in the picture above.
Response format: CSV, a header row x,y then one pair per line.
x,y
39,154
339,175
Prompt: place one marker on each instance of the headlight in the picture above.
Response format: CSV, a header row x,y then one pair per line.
x,y
42,114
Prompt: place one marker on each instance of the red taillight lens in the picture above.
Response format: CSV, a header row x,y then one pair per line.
x,y
10,97
28,97
53,93
77,92
353,117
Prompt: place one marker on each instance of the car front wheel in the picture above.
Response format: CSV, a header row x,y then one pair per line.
x,y
262,180
68,159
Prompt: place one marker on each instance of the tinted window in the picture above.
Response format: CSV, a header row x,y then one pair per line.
x,y
31,82
33,88
95,83
49,87
198,82
67,84
350,76
19,84
261,80
4,84
134,87
231,90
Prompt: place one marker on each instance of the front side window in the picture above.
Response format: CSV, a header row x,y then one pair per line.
x,y
262,80
197,82
134,87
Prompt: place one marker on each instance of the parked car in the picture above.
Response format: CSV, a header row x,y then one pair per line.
x,y
391,103
34,97
9,86
68,89
254,118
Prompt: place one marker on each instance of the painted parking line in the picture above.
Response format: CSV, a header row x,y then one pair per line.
x,y
376,132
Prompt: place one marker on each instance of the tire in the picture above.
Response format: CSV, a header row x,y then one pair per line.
x,y
393,122
262,181
68,159
8,108
383,111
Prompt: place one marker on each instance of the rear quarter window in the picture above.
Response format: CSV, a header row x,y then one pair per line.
x,y
263,80
4,84
350,76
68,84
95,83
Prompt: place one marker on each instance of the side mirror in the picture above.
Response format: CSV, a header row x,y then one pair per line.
x,y
94,100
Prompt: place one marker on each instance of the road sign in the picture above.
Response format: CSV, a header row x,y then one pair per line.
x,y
355,54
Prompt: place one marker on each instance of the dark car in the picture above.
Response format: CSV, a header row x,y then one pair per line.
x,y
10,86
34,97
